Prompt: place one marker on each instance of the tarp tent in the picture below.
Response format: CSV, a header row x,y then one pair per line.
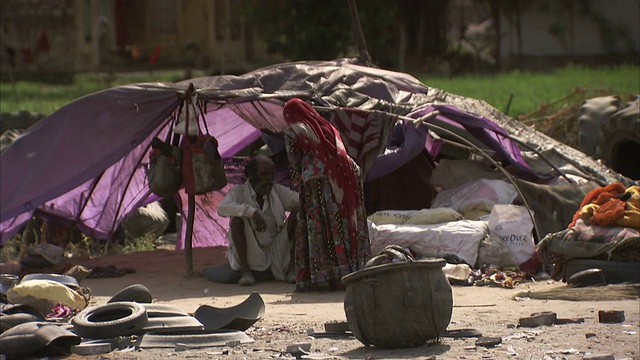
x,y
86,163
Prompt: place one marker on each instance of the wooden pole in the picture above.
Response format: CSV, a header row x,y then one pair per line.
x,y
188,248
358,34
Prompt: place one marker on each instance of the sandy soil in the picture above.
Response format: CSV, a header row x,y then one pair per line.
x,y
289,315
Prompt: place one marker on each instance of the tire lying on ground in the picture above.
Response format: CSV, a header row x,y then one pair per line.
x,y
110,320
136,293
621,141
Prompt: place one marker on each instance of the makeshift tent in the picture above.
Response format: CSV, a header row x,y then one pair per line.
x,y
87,162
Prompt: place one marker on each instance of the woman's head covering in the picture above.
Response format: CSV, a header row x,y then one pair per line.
x,y
319,138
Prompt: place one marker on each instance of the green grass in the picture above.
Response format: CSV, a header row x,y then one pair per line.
x,y
46,97
530,90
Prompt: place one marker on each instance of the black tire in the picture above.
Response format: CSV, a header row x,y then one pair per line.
x,y
621,141
135,293
110,320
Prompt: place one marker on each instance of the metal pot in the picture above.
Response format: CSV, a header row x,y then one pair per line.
x,y
402,303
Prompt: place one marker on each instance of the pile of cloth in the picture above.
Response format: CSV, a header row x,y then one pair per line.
x,y
605,227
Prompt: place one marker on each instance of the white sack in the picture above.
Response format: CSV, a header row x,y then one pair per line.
x,y
460,238
148,219
494,251
417,217
480,194
391,216
512,225
434,216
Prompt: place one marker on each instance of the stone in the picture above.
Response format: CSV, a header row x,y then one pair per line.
x,y
612,316
563,321
488,341
545,318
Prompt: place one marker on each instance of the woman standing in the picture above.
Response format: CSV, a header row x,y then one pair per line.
x,y
332,238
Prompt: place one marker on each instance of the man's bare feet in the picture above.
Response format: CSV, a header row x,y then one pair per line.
x,y
247,280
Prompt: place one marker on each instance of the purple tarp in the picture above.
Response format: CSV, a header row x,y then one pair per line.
x,y
86,163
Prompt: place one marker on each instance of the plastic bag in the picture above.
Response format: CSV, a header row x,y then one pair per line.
x,y
512,225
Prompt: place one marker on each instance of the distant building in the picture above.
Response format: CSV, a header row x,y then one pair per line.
x,y
570,29
106,35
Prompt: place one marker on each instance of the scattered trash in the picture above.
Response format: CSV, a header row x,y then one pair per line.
x,y
298,350
329,334
460,333
569,351
332,330
223,352
613,316
511,351
91,348
599,357
488,341
317,357
522,335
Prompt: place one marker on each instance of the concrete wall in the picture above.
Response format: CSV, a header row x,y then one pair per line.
x,y
112,35
576,34
39,34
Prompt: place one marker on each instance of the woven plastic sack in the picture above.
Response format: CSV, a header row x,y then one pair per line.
x,y
203,169
165,169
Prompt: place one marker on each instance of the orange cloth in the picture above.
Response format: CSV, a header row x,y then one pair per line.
x,y
615,212
608,213
598,196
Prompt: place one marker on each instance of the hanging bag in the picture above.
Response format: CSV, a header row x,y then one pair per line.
x,y
203,169
165,167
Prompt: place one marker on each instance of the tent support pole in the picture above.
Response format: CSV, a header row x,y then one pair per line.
x,y
188,248
358,34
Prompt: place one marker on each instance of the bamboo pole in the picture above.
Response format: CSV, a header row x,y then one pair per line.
x,y
358,34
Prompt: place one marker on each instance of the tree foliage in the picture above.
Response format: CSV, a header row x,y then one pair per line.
x,y
311,29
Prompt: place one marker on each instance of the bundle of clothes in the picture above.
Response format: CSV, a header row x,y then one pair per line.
x,y
605,227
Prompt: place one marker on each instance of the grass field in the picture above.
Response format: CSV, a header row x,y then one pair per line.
x,y
527,90
531,90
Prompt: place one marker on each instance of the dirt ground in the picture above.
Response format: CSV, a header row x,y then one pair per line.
x,y
289,315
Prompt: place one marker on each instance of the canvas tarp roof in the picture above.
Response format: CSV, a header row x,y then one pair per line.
x,y
86,162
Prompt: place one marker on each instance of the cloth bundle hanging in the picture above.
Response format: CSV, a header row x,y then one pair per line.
x,y
165,167
202,166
